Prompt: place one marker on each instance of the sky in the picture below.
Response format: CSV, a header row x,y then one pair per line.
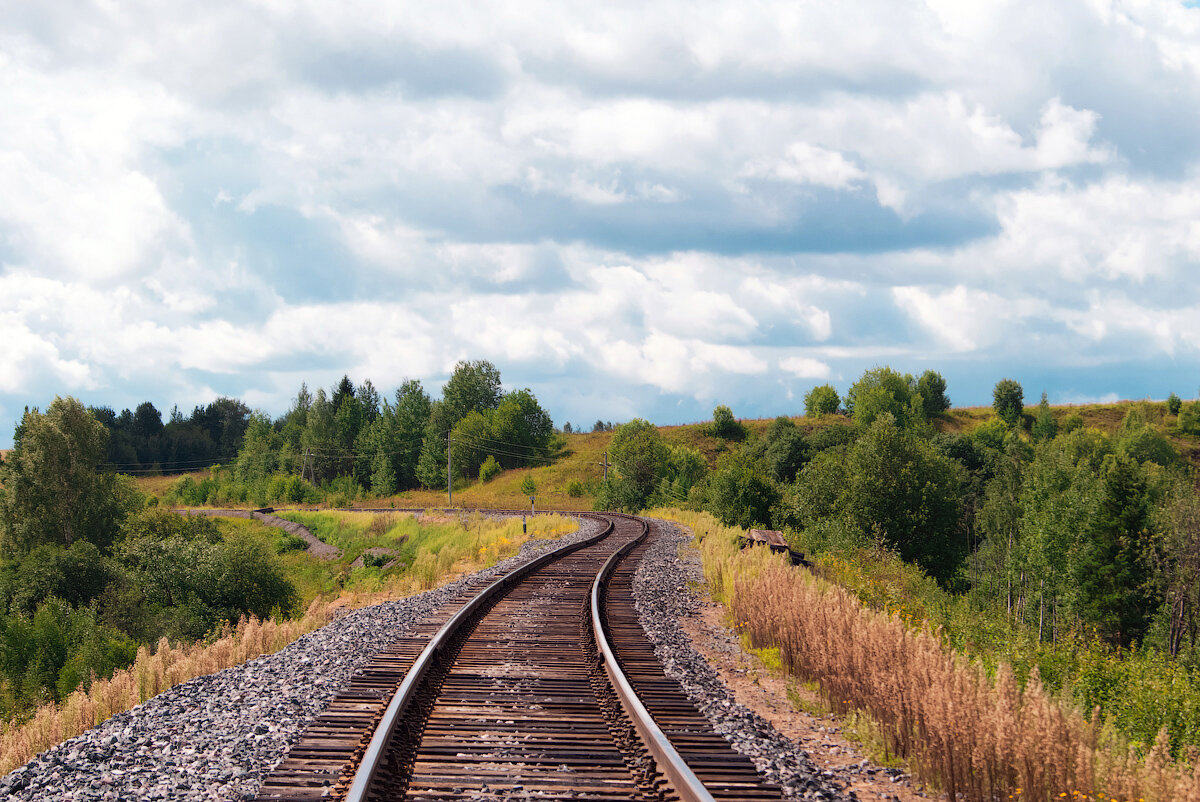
x,y
635,209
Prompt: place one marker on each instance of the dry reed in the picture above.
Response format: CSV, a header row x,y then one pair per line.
x,y
151,673
974,736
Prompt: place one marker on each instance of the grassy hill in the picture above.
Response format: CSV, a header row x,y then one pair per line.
x,y
578,464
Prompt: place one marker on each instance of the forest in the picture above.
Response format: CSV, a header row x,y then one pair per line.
x,y
91,568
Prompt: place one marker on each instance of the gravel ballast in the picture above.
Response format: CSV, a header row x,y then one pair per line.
x,y
216,736
662,596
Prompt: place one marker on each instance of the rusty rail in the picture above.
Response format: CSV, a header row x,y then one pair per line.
x,y
669,761
405,694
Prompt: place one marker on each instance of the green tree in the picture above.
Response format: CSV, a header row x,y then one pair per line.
x,y
739,495
894,486
821,400
1045,426
1115,591
412,411
54,490
258,457
639,458
1173,404
932,389
1008,399
883,391
472,386
782,451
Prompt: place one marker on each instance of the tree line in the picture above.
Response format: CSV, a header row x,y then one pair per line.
x,y
1059,526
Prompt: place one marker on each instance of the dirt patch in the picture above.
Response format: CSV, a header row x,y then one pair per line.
x,y
777,698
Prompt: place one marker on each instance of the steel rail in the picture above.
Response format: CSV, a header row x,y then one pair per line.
x,y
407,691
669,761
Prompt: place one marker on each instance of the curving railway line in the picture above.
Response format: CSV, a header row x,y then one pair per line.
x,y
541,685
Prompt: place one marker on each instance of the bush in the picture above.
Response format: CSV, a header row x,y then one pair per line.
x,y
821,400
575,488
376,560
726,426
1189,418
1173,404
1008,399
489,470
289,542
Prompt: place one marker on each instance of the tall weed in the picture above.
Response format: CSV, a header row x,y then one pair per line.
x,y
977,735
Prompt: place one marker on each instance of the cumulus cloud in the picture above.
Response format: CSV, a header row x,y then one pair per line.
x,y
676,201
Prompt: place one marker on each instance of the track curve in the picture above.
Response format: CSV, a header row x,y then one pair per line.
x,y
517,700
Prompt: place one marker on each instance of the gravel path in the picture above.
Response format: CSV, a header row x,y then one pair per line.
x,y
662,597
215,737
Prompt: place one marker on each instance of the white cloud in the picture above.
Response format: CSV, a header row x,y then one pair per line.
x,y
803,367
683,198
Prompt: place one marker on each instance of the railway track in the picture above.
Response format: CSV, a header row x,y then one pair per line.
x,y
541,686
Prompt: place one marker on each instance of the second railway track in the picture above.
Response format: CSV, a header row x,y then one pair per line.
x,y
517,704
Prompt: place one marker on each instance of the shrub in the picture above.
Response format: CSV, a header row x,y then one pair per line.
x,y
726,426
575,488
821,400
1173,404
489,470
289,542
1189,418
1008,399
376,560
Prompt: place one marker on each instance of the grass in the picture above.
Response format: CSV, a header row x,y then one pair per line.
x,y
153,672
436,549
974,733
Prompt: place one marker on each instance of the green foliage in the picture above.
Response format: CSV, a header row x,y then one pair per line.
x,y
489,470
1045,426
726,426
932,389
288,542
1188,421
897,488
528,486
371,560
53,491
1173,404
821,400
739,495
575,488
1072,422
639,458
1111,572
1008,400
782,450
882,391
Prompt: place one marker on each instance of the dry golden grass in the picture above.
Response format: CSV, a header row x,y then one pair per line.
x,y
151,673
975,737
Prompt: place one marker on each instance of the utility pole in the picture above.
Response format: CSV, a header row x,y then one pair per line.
x,y
449,479
605,464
